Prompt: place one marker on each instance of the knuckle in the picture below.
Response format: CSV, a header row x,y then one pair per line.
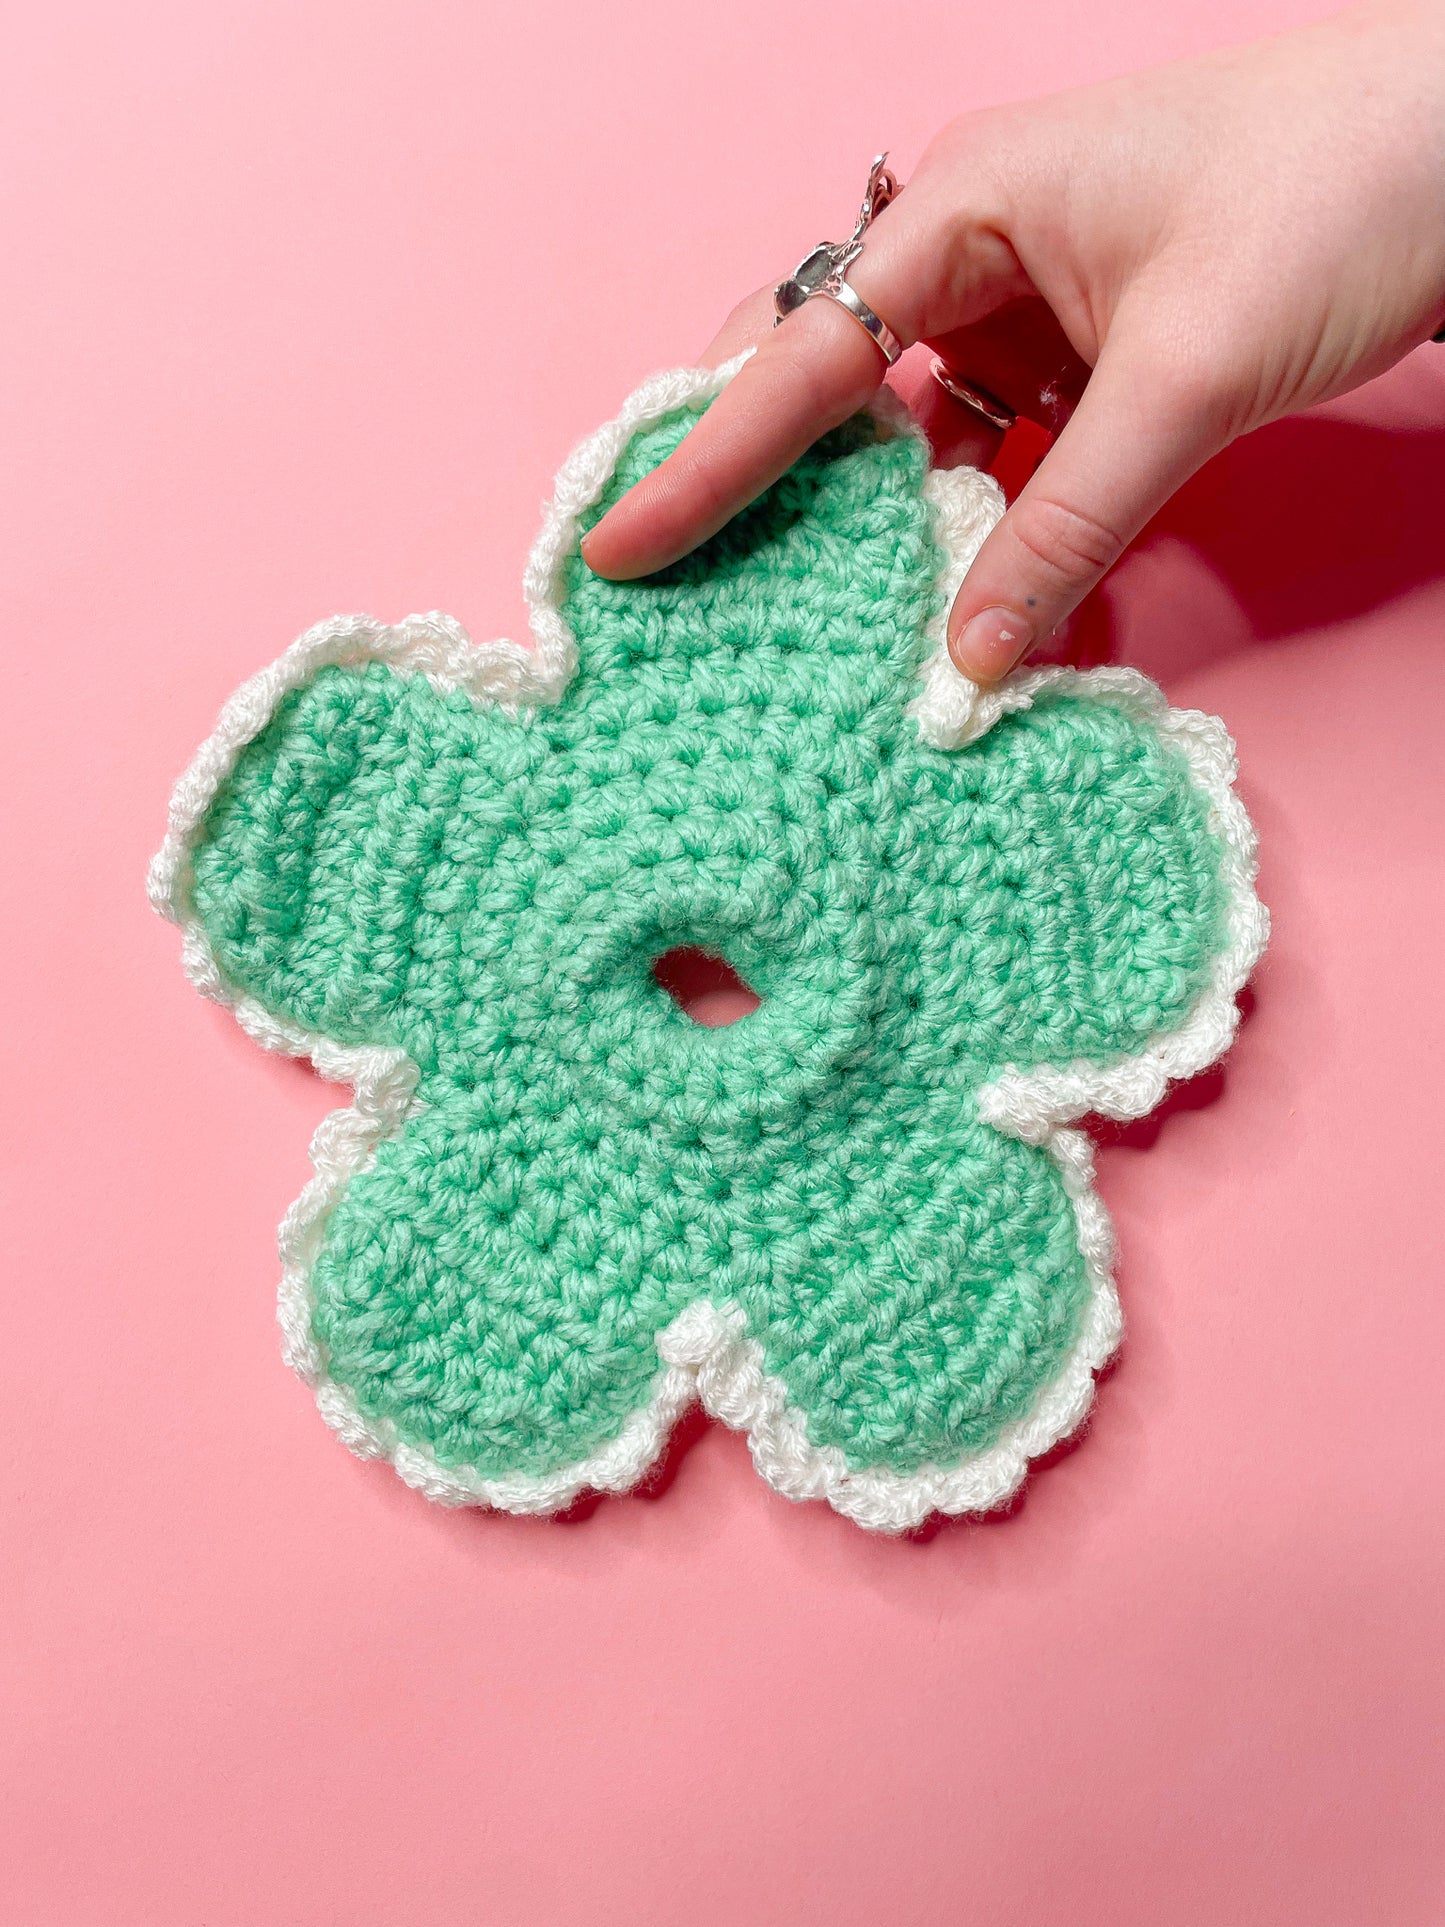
x,y
967,141
1072,545
832,401
1186,374
826,387
1187,390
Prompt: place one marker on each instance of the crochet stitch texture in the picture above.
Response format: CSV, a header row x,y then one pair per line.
x,y
852,1221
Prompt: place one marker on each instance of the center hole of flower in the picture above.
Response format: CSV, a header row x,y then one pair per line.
x,y
704,987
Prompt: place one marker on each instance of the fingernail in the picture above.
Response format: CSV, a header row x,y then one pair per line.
x,y
990,643
588,552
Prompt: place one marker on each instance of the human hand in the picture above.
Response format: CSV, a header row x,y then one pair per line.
x,y
1150,267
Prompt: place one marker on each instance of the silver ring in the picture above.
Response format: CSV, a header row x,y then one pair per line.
x,y
824,269
997,412
875,326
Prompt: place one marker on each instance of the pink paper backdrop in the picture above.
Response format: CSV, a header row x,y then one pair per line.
x,y
304,304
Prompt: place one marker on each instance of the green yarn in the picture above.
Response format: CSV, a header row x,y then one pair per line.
x,y
732,767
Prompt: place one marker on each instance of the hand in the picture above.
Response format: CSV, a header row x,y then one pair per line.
x,y
1151,267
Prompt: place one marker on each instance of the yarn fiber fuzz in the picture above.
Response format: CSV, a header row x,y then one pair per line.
x,y
856,1223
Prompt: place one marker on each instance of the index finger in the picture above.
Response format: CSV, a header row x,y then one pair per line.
x,y
806,377
923,269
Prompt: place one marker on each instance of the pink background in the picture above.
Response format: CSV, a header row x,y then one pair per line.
x,y
304,305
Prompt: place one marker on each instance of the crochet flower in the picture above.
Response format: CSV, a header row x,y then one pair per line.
x,y
853,1223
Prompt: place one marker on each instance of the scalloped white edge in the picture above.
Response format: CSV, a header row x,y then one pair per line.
x,y
705,1352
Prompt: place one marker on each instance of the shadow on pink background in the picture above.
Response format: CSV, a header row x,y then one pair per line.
x,y
305,304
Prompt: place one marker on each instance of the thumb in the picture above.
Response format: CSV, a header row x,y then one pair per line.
x,y
1139,431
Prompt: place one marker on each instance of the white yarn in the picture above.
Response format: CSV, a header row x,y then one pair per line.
x,y
705,1352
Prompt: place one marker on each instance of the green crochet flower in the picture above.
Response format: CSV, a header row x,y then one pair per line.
x,y
562,1209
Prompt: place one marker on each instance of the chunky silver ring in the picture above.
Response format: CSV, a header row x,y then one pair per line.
x,y
824,270
978,399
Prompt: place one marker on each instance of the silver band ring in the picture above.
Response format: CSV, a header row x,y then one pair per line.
x,y
877,330
824,269
994,411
